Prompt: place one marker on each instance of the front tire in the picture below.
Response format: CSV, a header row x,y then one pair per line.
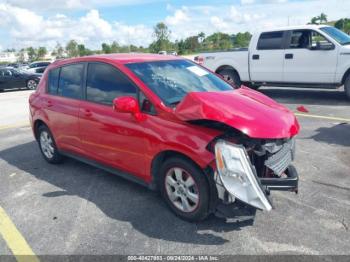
x,y
185,189
231,77
347,86
48,146
32,84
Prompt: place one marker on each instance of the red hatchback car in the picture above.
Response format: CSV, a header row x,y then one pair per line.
x,y
169,124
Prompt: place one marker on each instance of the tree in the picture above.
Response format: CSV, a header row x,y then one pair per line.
x,y
41,52
31,53
242,39
72,49
20,56
58,52
343,24
161,34
115,47
322,18
106,49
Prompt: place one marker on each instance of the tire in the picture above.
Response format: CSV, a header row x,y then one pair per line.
x,y
231,77
185,189
48,146
31,84
347,86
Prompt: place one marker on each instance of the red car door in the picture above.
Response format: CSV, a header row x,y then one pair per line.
x,y
113,138
61,105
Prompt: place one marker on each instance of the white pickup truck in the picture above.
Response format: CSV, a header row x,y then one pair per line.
x,y
316,56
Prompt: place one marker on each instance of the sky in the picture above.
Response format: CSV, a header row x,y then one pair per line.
x,y
25,23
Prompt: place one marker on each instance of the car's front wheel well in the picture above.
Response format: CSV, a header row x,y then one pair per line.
x,y
159,159
226,67
347,73
37,124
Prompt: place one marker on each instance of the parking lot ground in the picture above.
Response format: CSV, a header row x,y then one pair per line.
x,y
73,208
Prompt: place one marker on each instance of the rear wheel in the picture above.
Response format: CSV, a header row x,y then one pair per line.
x,y
48,146
231,76
31,84
185,189
347,86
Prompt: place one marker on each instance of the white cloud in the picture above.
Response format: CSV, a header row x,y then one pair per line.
x,y
180,16
89,29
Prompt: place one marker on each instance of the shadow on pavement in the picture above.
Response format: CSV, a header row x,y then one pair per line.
x,y
337,135
118,198
307,96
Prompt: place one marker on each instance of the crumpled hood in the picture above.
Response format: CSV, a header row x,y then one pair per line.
x,y
249,111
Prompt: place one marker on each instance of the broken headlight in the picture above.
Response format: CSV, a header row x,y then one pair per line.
x,y
237,175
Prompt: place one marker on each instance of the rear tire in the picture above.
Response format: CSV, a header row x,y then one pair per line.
x,y
231,76
185,189
347,86
48,146
32,84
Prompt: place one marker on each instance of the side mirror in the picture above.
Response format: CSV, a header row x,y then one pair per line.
x,y
128,104
324,46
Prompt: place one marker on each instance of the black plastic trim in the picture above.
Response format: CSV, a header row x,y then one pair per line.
x,y
283,184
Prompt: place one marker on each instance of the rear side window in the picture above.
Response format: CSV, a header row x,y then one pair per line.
x,y
105,82
70,82
53,81
270,40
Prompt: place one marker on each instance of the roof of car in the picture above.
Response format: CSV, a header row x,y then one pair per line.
x,y
294,27
120,58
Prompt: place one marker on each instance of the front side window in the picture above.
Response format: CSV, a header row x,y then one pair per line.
x,y
105,83
70,82
53,81
306,39
270,40
172,80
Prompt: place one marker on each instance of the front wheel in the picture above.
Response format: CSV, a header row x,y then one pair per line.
x,y
231,77
185,189
31,84
347,86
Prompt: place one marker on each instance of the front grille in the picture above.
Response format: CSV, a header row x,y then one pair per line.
x,y
280,161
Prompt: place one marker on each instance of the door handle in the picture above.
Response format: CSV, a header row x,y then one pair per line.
x,y
256,57
288,56
87,113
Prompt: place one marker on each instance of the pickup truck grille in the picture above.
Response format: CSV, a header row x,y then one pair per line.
x,y
280,161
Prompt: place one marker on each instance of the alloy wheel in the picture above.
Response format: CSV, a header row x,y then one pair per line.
x,y
32,84
46,144
182,189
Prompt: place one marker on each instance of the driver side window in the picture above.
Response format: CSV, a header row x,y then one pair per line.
x,y
305,39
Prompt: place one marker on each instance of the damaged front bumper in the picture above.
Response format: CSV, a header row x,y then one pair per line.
x,y
236,178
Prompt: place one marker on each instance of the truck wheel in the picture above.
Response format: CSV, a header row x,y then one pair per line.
x,y
231,77
185,189
347,86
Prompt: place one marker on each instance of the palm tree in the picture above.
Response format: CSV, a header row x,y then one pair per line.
x,y
322,18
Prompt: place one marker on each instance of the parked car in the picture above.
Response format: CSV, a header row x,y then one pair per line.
x,y
38,67
18,65
167,123
11,78
162,53
315,56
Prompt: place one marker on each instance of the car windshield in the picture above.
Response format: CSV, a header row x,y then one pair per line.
x,y
337,35
172,80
